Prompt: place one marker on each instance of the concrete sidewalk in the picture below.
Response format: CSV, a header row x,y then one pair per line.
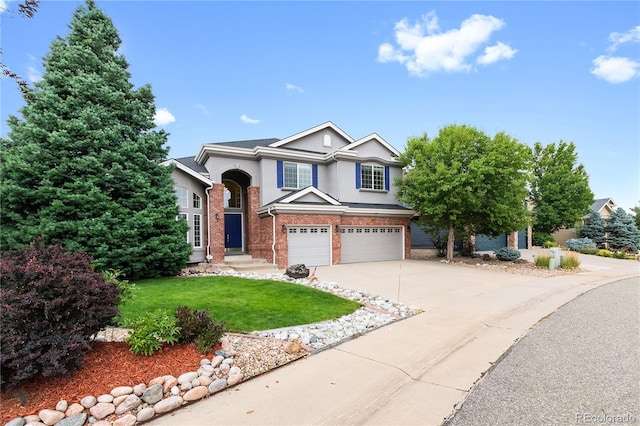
x,y
412,372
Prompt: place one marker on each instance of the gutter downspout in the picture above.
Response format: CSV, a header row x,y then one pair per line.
x,y
273,238
209,257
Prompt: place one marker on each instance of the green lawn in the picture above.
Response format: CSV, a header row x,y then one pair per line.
x,y
245,305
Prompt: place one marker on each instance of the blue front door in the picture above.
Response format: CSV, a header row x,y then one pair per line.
x,y
233,232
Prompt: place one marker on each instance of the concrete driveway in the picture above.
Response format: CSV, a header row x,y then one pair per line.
x,y
412,372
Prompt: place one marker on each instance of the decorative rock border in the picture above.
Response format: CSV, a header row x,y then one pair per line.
x,y
129,406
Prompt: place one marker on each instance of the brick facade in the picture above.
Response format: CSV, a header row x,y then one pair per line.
x,y
262,244
216,222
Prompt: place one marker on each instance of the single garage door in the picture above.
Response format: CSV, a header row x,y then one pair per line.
x,y
371,244
487,243
310,245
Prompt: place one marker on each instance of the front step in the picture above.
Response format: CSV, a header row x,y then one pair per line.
x,y
246,262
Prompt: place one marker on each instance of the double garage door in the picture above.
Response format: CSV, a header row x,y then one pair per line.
x,y
311,245
371,244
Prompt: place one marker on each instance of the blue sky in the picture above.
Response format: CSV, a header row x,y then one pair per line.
x,y
220,71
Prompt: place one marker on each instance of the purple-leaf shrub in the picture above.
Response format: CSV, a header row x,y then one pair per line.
x,y
51,304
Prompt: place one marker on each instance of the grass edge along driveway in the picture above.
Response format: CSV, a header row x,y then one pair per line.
x,y
245,305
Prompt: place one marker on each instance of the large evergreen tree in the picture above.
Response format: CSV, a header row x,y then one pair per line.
x,y
594,229
622,231
82,165
636,215
559,188
466,182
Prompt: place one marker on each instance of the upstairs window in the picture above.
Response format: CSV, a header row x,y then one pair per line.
x,y
197,201
183,196
371,176
296,175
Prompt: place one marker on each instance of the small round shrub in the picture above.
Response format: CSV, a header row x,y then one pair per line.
x,y
577,244
151,330
199,328
507,254
549,244
539,238
604,253
589,250
51,304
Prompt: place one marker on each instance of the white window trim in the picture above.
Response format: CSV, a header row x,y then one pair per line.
x,y
197,231
362,181
297,186
182,201
196,199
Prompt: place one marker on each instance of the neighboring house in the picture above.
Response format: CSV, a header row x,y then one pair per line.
x,y
318,197
520,239
604,206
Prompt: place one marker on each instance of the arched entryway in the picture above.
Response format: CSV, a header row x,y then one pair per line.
x,y
236,183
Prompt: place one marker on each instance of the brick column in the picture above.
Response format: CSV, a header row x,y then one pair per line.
x,y
252,235
216,222
512,240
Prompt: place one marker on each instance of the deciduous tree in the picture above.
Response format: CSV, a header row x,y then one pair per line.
x,y
559,188
466,182
82,165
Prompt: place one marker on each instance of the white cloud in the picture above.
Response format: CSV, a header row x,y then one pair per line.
x,y
203,109
293,88
162,117
3,6
34,75
248,120
633,35
424,49
615,69
496,53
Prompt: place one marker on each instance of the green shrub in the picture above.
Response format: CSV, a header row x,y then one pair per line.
x,y
507,254
589,250
151,330
569,261
126,288
198,327
539,238
577,244
52,302
620,255
549,244
604,253
542,261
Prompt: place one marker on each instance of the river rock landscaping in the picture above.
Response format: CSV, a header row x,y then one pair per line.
x,y
239,358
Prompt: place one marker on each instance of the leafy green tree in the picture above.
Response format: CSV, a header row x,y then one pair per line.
x,y
622,231
466,182
594,229
82,165
559,187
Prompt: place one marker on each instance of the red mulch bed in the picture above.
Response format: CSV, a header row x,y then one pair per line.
x,y
106,366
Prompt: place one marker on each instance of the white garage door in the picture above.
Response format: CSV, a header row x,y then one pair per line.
x,y
310,245
371,244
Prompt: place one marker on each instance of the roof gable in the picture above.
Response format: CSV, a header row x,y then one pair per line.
x,y
373,138
604,206
189,166
323,126
309,194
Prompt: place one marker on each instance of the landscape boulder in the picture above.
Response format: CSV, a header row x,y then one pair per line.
x,y
297,271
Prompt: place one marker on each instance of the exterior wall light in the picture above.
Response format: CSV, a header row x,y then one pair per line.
x,y
284,228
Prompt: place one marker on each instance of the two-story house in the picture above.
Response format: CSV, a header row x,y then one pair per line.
x,y
318,197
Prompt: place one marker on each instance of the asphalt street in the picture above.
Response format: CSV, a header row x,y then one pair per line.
x,y
579,365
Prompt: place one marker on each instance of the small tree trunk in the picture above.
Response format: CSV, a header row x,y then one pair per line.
x,y
450,241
